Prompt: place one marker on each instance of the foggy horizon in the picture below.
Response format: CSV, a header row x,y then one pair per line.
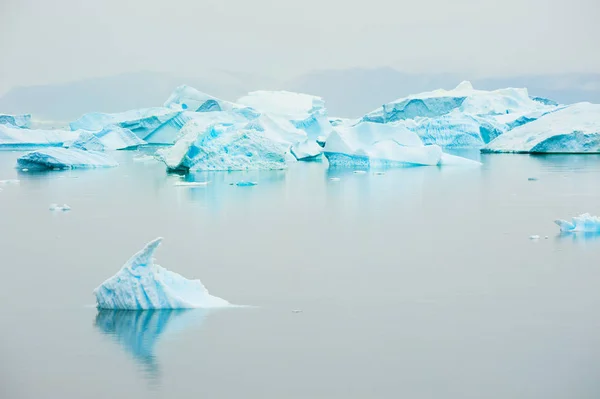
x,y
282,41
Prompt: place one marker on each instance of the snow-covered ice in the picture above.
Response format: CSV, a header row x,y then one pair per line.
x,y
156,125
142,284
571,129
16,137
110,138
22,121
584,223
65,158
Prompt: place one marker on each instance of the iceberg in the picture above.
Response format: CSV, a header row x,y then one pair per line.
x,y
370,144
110,138
153,125
584,223
19,137
282,102
64,158
190,99
22,121
454,130
463,98
306,150
142,284
262,143
571,129
305,112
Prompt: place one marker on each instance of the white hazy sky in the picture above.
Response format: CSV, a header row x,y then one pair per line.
x,y
43,41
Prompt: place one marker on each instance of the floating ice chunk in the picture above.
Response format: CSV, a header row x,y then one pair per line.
x,y
244,183
532,178
334,179
22,121
226,147
360,172
571,129
65,158
584,223
142,284
534,237
110,138
9,182
17,137
56,207
297,311
306,150
191,183
371,144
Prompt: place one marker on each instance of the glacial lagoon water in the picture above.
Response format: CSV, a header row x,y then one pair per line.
x,y
416,283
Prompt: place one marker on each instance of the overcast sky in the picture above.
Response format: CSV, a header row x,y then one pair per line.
x,y
43,41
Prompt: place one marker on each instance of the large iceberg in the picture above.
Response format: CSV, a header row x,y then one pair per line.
x,y
109,138
571,129
65,158
157,125
23,121
368,144
17,137
225,147
463,117
142,284
585,223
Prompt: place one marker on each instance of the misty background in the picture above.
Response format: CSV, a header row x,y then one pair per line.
x,y
64,58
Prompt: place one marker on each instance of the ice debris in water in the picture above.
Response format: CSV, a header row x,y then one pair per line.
x,y
534,237
142,284
244,183
9,182
532,178
585,223
334,178
55,207
191,183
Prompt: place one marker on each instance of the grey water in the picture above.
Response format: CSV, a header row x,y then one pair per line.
x,y
416,283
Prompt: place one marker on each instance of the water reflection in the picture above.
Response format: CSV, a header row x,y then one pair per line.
x,y
138,331
579,236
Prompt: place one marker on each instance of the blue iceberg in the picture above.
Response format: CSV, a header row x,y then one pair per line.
x,y
187,98
109,138
262,143
368,144
142,284
22,121
153,125
571,129
64,158
585,223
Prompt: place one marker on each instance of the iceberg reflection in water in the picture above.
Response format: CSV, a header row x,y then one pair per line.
x,y
138,331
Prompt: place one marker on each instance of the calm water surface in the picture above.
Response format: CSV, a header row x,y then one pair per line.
x,y
420,283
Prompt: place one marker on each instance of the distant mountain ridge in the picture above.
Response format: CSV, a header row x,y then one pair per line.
x,y
347,92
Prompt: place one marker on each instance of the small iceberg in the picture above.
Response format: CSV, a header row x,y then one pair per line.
x,y
585,223
65,158
142,284
244,183
56,207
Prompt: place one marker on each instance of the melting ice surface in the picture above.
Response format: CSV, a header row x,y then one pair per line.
x,y
65,158
584,223
142,284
